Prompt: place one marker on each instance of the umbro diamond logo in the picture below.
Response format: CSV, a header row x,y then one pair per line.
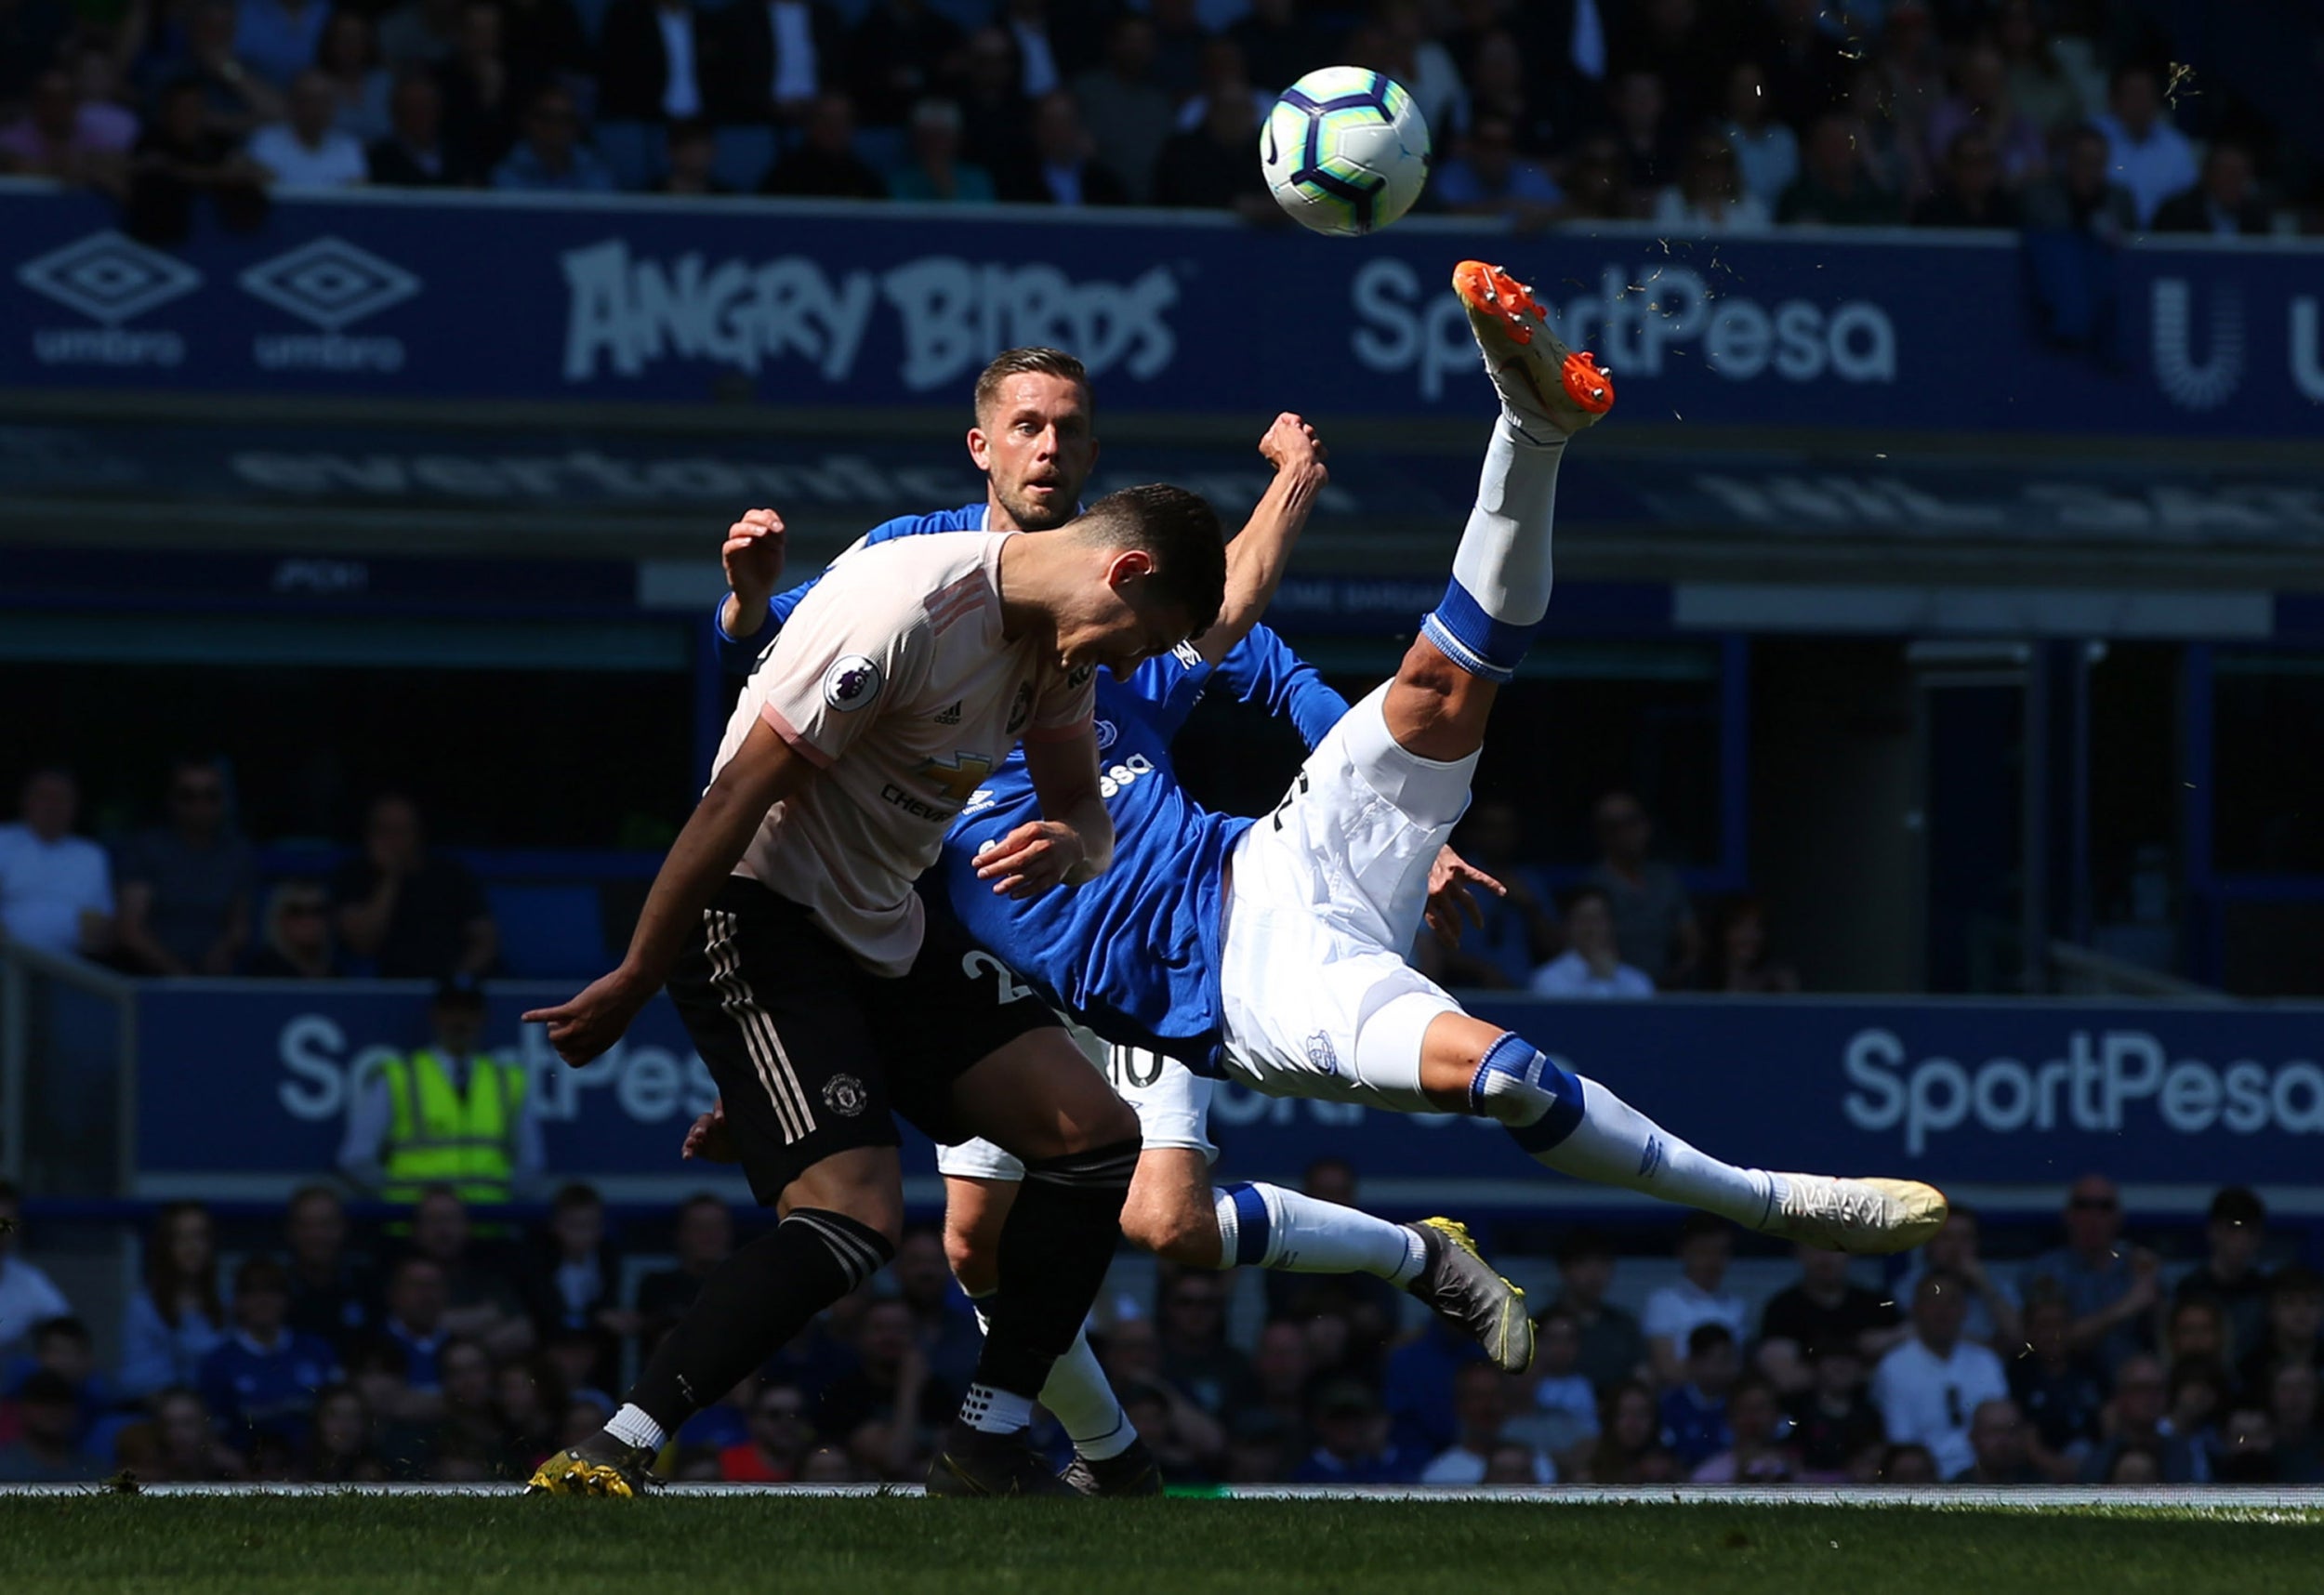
x,y
329,283
108,278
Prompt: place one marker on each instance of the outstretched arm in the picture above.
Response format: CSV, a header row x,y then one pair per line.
x,y
1255,560
1074,841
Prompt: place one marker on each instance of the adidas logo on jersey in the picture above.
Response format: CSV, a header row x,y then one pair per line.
x,y
949,716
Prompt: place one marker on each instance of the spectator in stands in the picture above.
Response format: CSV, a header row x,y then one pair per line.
x,y
1695,1408
450,1116
575,1281
1709,196
996,123
1282,1371
28,1295
775,58
943,1321
1833,190
175,1319
2082,198
887,1410
1654,922
824,164
2221,204
1706,1246
1066,171
654,61
1971,194
1834,1422
295,941
703,1237
2194,1330
483,1302
308,151
2111,1289
1260,1448
413,911
56,889
1739,962
1280,43
2199,1388
1481,1413
2144,152
1909,1464
2234,1234
1591,964
63,1346
528,1398
1981,100
935,174
45,1450
2134,1421
551,158
1222,74
1993,1316
2296,1424
1394,39
901,52
1352,1444
691,159
339,1445
410,1324
1487,177
1129,117
1756,1453
1825,1308
778,1443
481,95
1629,1446
361,86
2036,85
279,39
1766,150
264,1379
2058,1390
1997,1443
236,97
1518,933
467,1441
1500,86
2295,1329
1641,104
330,1298
1561,1417
1928,1386
416,154
1594,188
65,137
1196,1356
1209,167
185,888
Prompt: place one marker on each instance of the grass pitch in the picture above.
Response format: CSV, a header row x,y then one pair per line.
x,y
259,1546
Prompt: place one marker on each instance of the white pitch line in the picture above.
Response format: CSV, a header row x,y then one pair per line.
x,y
2033,1498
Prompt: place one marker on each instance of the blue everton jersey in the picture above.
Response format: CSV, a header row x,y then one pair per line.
x,y
1134,953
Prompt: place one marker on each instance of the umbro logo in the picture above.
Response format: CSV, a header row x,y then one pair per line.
x,y
108,278
949,716
329,283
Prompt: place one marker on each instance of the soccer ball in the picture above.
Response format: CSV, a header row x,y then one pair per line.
x,y
1345,151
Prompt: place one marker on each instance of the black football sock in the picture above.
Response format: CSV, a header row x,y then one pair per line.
x,y
751,1306
1059,1241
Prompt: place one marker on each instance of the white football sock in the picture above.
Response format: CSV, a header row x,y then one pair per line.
x,y
1081,1398
632,1427
996,1411
1265,1226
1501,573
1616,1144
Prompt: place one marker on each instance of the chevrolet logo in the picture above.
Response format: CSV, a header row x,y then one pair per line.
x,y
957,777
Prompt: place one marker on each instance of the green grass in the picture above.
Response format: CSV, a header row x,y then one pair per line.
x,y
252,1546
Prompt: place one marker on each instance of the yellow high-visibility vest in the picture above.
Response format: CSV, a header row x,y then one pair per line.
x,y
436,1138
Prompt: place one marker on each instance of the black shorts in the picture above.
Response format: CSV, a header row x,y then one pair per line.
x,y
813,1053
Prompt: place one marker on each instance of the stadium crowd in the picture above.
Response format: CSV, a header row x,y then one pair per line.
x,y
431,1350
2058,113
186,897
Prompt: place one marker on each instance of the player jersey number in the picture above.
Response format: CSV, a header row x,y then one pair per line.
x,y
979,962
1129,1066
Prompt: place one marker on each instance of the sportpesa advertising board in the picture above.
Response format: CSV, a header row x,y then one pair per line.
x,y
246,1083
494,297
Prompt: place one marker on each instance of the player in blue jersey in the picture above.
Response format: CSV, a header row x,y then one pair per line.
x,y
1293,979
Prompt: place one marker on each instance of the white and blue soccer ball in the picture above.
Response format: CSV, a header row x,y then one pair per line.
x,y
1345,151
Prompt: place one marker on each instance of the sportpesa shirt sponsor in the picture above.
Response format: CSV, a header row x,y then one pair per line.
x,y
1134,953
895,679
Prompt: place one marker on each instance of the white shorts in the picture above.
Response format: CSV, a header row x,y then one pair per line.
x,y
1171,1100
1326,899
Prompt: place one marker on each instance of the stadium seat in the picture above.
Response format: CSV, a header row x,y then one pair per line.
x,y
744,155
636,151
550,931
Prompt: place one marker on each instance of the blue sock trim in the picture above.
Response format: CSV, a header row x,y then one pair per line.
x,y
1251,1225
1513,1054
1474,639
